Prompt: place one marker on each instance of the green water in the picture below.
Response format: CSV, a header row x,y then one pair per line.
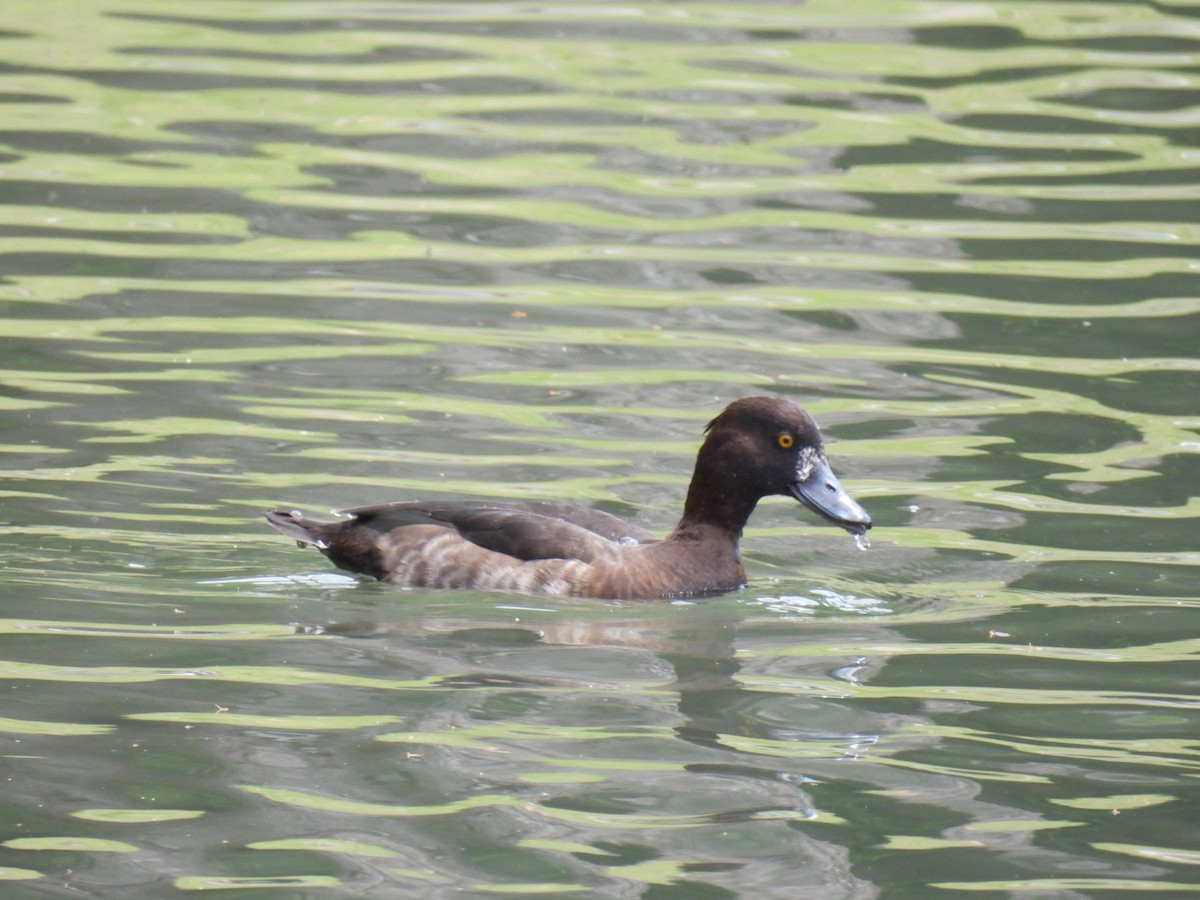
x,y
321,254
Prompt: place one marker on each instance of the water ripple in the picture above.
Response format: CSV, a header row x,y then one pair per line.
x,y
320,254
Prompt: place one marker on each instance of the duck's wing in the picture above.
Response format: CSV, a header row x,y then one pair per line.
x,y
525,531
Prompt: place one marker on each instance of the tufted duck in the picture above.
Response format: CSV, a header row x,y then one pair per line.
x,y
756,447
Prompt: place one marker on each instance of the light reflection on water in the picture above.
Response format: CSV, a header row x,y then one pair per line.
x,y
320,255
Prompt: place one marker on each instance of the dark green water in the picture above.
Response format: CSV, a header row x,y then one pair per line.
x,y
322,254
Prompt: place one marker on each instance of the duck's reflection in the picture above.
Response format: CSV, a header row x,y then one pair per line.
x,y
716,712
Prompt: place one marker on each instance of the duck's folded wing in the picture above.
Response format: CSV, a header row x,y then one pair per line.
x,y
526,531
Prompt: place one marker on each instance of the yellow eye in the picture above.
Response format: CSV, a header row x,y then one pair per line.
x,y
786,441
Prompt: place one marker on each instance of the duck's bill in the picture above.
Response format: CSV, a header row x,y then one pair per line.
x,y
821,492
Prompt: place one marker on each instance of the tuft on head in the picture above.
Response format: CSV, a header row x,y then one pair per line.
x,y
771,414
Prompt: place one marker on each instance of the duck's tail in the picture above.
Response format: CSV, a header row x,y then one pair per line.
x,y
293,525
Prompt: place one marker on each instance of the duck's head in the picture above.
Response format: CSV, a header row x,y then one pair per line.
x,y
767,445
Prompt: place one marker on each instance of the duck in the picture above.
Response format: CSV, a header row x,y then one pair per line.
x,y
756,447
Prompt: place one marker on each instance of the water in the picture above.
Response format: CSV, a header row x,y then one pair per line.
x,y
322,254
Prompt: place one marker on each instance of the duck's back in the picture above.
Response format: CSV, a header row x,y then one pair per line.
x,y
524,530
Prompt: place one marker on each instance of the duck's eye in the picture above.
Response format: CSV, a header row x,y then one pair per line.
x,y
785,441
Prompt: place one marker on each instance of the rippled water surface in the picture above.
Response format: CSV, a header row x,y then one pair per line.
x,y
321,254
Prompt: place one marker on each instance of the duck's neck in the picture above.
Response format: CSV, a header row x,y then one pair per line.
x,y
718,498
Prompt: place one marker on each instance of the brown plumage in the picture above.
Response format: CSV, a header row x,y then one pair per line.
x,y
758,446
